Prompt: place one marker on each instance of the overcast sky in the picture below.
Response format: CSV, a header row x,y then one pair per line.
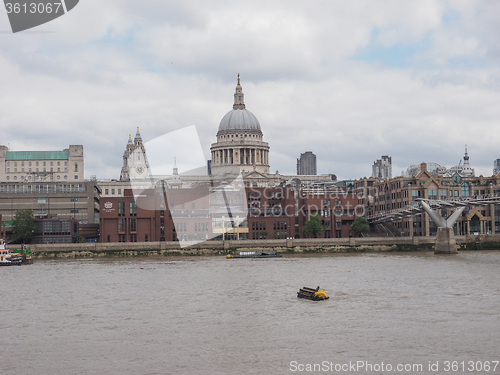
x,y
349,80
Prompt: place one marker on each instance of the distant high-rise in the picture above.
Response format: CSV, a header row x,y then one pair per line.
x,y
306,165
496,166
382,168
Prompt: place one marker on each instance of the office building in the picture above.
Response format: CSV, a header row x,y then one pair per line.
x,y
306,164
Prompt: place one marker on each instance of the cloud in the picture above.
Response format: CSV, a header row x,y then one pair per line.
x,y
350,81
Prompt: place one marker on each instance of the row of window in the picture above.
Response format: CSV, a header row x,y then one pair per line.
x,y
131,238
36,178
113,190
30,170
42,188
280,225
258,225
132,224
132,209
37,163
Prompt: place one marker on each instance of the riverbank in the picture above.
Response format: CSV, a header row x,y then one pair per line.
x,y
285,246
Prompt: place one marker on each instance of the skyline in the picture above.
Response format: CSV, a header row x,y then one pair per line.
x,y
349,82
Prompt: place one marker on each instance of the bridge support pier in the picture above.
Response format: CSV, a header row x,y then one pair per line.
x,y
445,241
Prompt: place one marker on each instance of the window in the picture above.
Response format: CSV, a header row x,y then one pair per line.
x,y
121,225
465,189
133,209
121,208
133,225
443,194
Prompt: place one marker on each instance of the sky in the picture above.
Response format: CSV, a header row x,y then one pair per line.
x,y
348,80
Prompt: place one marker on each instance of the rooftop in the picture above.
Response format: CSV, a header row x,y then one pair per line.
x,y
36,155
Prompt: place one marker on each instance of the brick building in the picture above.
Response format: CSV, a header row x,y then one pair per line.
x,y
380,196
135,219
156,215
282,212
271,212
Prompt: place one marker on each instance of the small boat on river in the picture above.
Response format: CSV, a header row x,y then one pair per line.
x,y
312,294
7,258
17,258
254,254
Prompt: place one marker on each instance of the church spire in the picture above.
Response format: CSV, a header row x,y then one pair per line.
x,y
239,97
176,170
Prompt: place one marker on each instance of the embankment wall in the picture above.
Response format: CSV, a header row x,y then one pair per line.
x,y
313,245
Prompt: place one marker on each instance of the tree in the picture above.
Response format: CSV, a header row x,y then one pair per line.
x,y
79,239
313,225
360,226
23,226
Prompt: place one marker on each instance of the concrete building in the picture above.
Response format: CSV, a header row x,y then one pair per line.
x,y
42,166
306,164
382,168
56,205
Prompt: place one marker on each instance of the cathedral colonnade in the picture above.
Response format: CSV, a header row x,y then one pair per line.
x,y
240,156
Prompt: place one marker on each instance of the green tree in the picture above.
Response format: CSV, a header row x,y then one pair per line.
x,y
23,226
360,226
79,239
313,225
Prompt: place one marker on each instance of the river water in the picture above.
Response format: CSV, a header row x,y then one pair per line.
x,y
419,311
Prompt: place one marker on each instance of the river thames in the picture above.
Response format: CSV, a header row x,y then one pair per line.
x,y
415,313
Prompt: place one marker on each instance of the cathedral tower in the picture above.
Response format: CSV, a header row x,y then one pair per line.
x,y
239,145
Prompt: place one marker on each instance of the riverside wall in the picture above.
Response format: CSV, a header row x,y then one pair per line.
x,y
291,246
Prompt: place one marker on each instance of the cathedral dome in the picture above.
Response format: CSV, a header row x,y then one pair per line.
x,y
239,119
